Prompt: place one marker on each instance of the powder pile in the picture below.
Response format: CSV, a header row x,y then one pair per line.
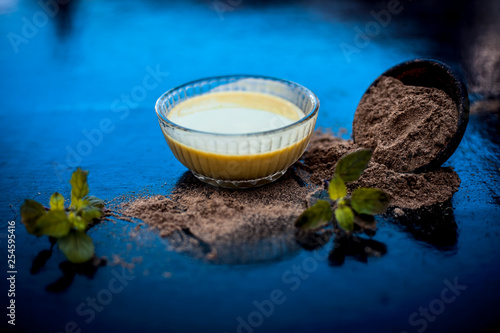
x,y
407,190
407,126
214,223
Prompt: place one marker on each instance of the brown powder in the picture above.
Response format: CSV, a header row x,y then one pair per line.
x,y
230,226
407,190
322,155
407,126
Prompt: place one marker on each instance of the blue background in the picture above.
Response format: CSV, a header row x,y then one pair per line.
x,y
62,76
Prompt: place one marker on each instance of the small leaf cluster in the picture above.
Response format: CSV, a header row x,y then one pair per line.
x,y
367,201
66,224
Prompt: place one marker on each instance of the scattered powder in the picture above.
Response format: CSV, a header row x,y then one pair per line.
x,y
407,126
119,261
398,212
207,221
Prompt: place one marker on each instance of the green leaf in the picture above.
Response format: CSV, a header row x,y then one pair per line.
x,y
81,204
77,246
77,221
315,216
351,166
369,201
344,217
91,213
57,201
55,223
94,202
31,211
79,188
337,188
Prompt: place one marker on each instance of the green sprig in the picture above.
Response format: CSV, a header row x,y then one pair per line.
x,y
367,201
67,224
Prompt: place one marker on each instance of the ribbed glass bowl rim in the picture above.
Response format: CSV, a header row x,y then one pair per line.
x,y
305,119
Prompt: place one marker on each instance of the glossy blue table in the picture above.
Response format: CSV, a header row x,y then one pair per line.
x,y
78,83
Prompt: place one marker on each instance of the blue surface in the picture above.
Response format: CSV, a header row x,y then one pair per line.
x,y
78,70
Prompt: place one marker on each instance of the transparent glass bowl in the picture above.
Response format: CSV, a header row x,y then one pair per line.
x,y
239,160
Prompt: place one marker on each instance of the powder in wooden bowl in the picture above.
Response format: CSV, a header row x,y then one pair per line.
x,y
407,126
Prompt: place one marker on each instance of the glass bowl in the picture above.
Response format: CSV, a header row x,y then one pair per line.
x,y
239,160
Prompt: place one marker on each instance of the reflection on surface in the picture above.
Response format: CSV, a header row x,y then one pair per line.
x,y
434,225
344,244
237,226
62,12
481,56
262,250
64,18
69,269
355,246
313,240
